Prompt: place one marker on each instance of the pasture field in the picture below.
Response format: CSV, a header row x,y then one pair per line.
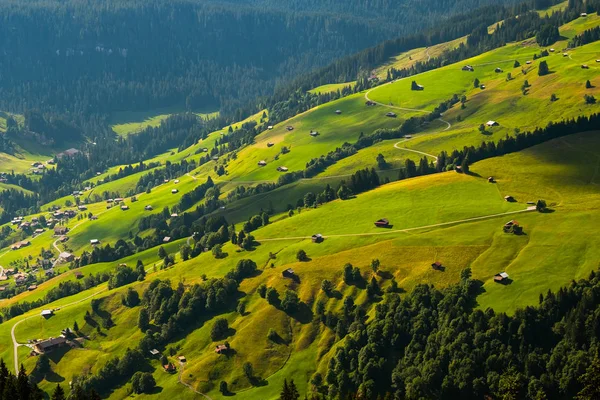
x,y
562,171
125,123
452,218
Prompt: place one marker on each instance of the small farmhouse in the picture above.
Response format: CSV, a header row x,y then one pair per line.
x,y
46,346
502,277
382,223
317,238
288,273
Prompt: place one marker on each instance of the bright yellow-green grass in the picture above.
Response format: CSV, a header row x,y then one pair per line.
x,y
124,123
502,100
333,130
551,10
563,171
3,116
421,54
332,87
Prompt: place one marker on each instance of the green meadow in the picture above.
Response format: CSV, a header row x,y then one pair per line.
x,y
452,218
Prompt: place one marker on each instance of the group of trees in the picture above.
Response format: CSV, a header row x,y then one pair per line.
x,y
588,36
520,141
436,344
176,311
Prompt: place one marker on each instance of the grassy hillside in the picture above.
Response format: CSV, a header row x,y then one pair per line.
x,y
124,123
562,171
455,219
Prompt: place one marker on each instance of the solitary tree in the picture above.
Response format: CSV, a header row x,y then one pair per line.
x,y
59,393
248,370
142,382
588,84
553,97
143,320
375,265
543,68
219,329
326,286
290,301
476,83
223,387
272,296
301,255
381,163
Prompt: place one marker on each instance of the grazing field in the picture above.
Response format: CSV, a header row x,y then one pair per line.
x,y
334,87
454,219
562,171
333,130
125,123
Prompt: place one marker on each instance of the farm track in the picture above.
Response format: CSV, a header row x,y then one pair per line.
x,y
12,330
388,232
181,365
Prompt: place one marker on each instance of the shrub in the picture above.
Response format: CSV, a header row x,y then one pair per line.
x,y
219,329
142,382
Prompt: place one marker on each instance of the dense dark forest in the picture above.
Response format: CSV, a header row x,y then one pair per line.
x,y
436,344
82,57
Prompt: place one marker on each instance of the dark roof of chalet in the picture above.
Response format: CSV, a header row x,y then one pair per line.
x,y
44,344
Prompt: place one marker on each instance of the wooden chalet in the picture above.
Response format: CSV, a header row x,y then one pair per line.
x,y
437,266
154,352
282,169
78,275
317,238
510,199
492,123
221,349
289,128
468,68
262,163
338,112
270,144
182,359
502,277
46,346
31,287
170,368
288,273
174,191
314,133
391,114
491,179
382,223
60,230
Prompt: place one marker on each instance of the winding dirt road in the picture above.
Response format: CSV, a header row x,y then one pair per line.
x,y
391,231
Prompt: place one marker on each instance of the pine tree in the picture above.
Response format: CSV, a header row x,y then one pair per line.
x,y
59,393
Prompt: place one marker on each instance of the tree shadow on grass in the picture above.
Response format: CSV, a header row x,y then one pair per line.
x,y
257,381
156,390
335,294
385,274
53,377
303,314
57,354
